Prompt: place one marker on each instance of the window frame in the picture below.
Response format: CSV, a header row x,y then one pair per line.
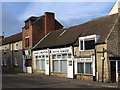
x,y
84,62
5,50
15,61
40,58
27,42
16,46
83,39
63,57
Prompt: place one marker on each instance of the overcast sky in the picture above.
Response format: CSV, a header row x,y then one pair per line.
x,y
68,13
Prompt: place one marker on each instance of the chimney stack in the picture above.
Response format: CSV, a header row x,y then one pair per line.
x,y
119,8
49,22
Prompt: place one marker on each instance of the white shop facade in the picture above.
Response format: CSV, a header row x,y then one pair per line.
x,y
59,60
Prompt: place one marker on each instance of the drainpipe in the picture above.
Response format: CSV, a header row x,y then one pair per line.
x,y
95,77
49,61
73,62
103,65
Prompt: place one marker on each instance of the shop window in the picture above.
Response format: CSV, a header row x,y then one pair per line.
x,y
55,66
60,62
40,62
84,68
80,68
63,66
16,61
4,62
88,68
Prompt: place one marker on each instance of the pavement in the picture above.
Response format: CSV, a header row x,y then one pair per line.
x,y
26,80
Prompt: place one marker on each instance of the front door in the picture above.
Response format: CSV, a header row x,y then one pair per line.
x,y
70,68
113,70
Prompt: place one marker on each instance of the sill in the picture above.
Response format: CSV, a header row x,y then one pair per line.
x,y
16,66
5,52
59,72
86,50
4,66
84,74
16,50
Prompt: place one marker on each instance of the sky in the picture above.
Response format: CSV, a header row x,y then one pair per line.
x,y
67,13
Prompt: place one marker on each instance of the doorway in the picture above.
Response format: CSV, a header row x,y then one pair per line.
x,y
113,70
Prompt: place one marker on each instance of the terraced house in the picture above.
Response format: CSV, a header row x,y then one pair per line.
x,y
16,49
88,51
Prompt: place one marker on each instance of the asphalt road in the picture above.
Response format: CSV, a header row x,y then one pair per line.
x,y
39,81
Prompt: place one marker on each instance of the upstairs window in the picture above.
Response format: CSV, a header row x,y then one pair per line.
x,y
88,42
27,42
5,50
16,46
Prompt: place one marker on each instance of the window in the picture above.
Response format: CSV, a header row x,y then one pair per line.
x,y
27,42
55,66
118,66
5,50
1,62
84,68
4,62
40,62
88,42
16,46
59,62
80,67
16,61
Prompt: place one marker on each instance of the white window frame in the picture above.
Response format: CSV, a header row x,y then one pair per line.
x,y
16,46
60,59
39,57
5,62
1,62
5,49
84,62
96,37
15,61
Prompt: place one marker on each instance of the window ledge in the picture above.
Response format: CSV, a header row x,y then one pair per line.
x,y
87,50
85,74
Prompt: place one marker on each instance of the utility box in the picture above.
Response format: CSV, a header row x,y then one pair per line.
x,y
29,69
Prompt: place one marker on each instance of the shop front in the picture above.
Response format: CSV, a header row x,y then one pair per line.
x,y
85,67
41,61
62,62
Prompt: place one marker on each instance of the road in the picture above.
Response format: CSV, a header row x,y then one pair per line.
x,y
39,81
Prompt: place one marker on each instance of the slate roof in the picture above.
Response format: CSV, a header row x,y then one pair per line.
x,y
69,36
12,39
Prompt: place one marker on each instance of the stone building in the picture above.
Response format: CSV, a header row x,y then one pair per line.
x,y
88,51
11,49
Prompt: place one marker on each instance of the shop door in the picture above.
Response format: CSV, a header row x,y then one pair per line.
x,y
47,66
70,68
113,70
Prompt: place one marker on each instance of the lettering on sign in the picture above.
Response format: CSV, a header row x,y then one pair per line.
x,y
55,51
84,59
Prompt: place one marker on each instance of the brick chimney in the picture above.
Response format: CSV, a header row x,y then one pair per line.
x,y
49,22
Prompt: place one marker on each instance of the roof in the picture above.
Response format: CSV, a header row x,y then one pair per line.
x,y
69,36
12,39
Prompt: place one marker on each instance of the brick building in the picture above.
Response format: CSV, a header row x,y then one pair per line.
x,y
88,51
34,30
